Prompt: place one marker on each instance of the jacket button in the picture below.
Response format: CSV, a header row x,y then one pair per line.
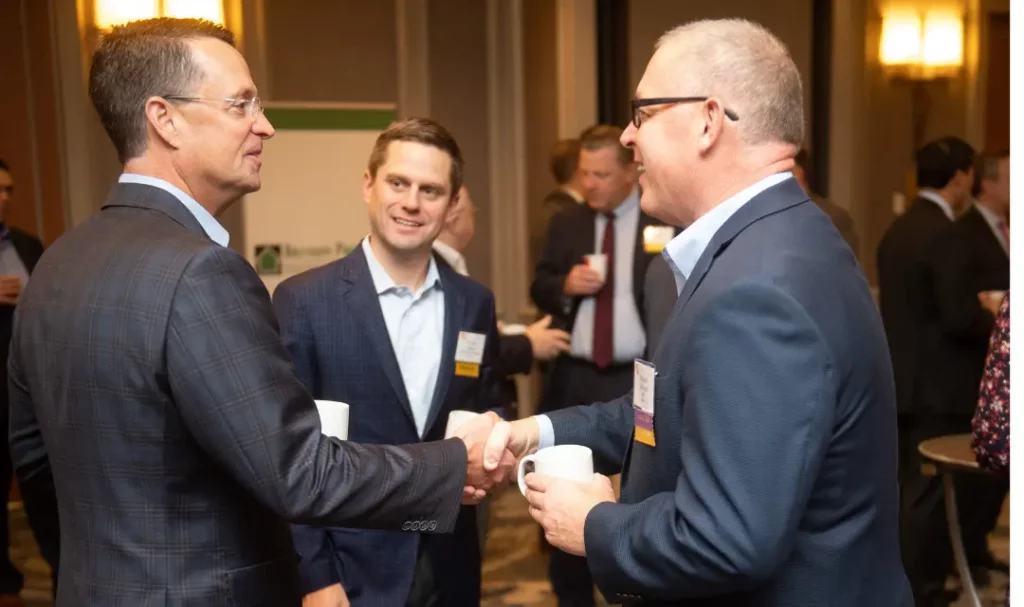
x,y
432,526
406,526
416,526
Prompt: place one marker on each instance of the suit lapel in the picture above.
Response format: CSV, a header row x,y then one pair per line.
x,y
454,310
776,198
360,294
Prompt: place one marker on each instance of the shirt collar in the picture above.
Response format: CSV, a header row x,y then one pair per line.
x,y
573,193
455,259
383,282
993,218
683,251
937,198
629,205
211,226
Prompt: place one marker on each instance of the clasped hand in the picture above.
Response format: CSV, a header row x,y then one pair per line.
x,y
494,448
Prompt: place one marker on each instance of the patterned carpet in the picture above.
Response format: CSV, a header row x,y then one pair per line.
x,y
515,567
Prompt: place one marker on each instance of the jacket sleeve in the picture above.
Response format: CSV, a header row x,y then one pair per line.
x,y
237,391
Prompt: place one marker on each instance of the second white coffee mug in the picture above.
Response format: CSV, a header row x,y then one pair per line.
x,y
456,419
598,262
333,418
571,462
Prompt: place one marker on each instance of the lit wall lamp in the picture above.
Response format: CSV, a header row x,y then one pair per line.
x,y
108,13
920,49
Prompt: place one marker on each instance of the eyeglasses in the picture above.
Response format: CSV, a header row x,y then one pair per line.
x,y
7,189
639,115
252,107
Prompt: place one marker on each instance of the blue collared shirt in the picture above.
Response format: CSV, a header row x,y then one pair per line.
x,y
683,251
211,226
415,323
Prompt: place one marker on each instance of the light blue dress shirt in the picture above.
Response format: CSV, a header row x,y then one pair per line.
x,y
628,336
683,252
211,226
415,323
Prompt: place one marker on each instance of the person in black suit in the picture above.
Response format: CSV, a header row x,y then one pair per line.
x,y
19,253
605,318
910,312
564,165
971,266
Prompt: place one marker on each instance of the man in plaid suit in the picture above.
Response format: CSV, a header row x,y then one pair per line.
x,y
148,375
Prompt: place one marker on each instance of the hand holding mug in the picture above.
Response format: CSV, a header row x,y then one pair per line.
x,y
583,280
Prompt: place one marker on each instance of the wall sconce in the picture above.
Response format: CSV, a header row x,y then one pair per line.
x,y
927,48
920,49
108,13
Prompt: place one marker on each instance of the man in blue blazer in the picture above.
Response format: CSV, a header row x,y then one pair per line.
x,y
758,456
403,339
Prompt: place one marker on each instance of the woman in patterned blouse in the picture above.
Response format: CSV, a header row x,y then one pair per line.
x,y
991,422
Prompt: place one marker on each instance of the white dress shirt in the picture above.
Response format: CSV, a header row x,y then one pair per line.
x,y
415,323
455,259
683,252
628,336
211,226
937,198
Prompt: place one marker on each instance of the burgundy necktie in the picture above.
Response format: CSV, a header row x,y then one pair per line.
x,y
603,312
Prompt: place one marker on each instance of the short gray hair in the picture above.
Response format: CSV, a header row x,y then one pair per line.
x,y
750,70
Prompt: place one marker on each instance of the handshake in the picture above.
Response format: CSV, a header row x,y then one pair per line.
x,y
494,449
561,503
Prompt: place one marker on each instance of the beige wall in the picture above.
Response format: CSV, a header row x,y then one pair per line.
x,y
457,51
331,50
790,20
540,77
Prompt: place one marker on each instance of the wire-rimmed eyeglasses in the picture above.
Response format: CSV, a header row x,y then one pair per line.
x,y
639,115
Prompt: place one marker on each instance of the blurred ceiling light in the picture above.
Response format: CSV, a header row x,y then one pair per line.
x,y
108,13
922,48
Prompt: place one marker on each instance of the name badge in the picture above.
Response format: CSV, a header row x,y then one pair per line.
x,y
469,353
656,237
643,402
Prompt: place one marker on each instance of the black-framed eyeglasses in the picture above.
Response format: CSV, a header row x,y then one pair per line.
x,y
252,106
639,115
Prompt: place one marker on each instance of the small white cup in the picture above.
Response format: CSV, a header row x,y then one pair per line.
x,y
598,262
571,462
457,419
333,418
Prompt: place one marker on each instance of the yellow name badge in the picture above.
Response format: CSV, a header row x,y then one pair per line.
x,y
469,353
656,237
643,402
467,369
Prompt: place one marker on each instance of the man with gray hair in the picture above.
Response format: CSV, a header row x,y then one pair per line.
x,y
758,447
148,375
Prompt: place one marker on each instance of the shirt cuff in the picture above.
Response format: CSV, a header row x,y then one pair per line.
x,y
547,432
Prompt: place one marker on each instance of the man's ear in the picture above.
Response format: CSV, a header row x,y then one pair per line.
x,y
164,121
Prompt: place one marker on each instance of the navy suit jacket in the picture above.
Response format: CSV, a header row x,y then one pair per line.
x,y
773,478
332,325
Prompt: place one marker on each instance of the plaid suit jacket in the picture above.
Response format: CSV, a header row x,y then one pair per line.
x,y
147,372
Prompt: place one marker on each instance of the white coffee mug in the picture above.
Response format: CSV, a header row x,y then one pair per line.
x,y
456,419
333,418
598,262
571,462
